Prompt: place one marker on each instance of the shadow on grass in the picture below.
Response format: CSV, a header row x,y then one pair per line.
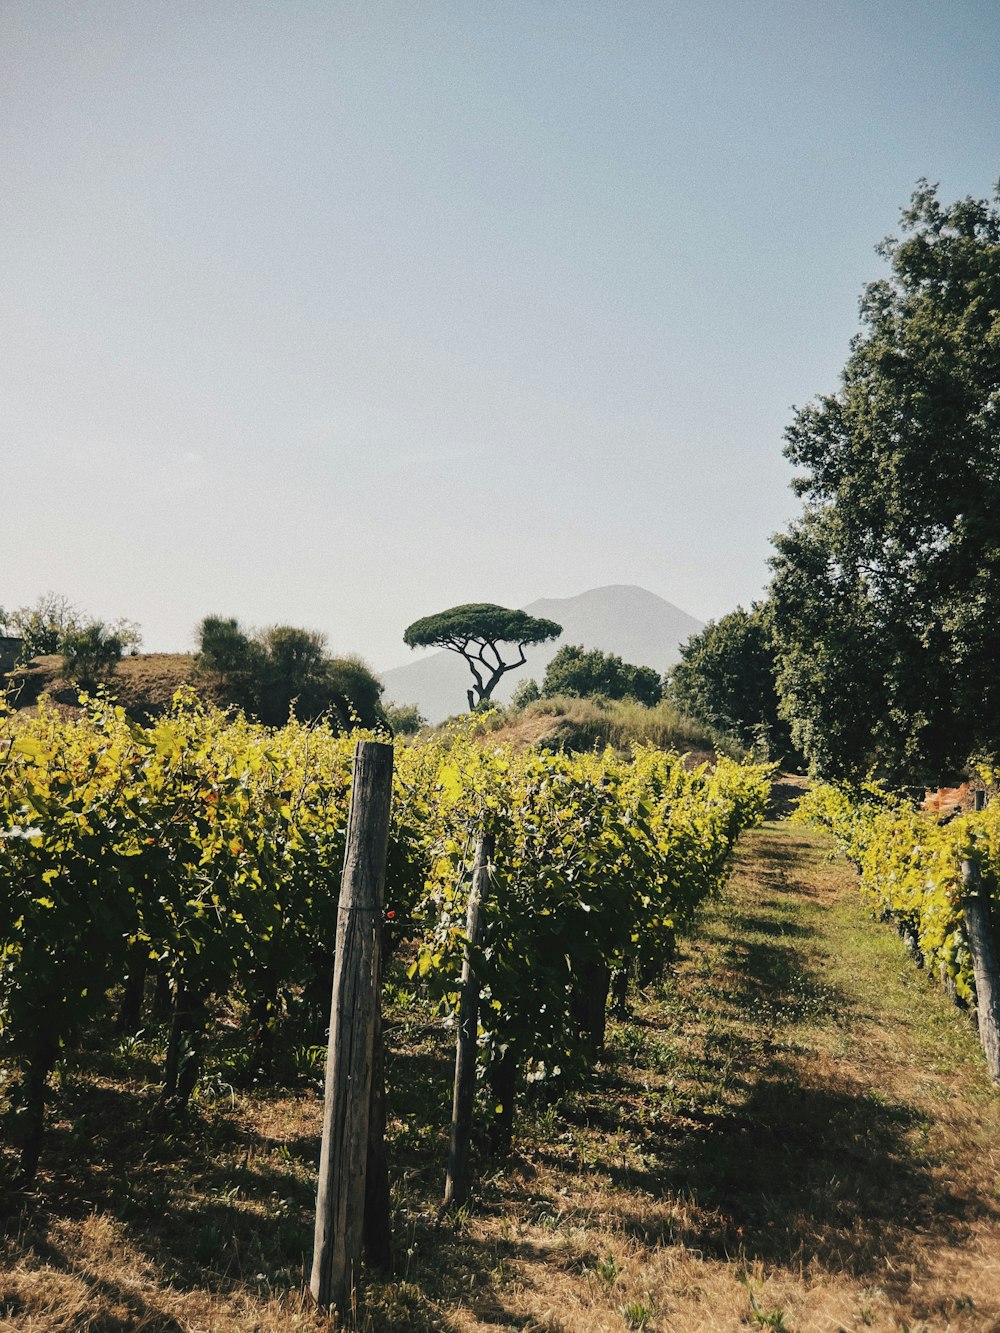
x,y
825,1175
772,856
215,1204
121,1308
784,797
766,983
183,1199
775,929
803,1164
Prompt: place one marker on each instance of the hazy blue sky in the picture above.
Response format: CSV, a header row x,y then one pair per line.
x,y
339,313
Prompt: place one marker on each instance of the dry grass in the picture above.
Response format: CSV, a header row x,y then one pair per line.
x,y
144,685
566,723
796,1132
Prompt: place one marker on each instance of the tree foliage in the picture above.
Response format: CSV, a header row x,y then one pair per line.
x,y
41,627
46,627
587,672
725,678
478,631
526,692
404,719
293,674
274,672
353,692
91,653
886,593
235,658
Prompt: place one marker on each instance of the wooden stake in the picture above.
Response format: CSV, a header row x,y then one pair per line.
x,y
340,1199
976,909
456,1187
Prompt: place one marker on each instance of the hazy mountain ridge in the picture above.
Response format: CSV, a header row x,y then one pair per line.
x,y
637,625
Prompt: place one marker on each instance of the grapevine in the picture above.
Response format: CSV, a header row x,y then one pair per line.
x,y
206,849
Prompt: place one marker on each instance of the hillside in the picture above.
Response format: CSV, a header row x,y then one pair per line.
x,y
144,685
637,625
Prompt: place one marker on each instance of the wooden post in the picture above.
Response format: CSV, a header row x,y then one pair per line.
x,y
456,1187
978,915
340,1199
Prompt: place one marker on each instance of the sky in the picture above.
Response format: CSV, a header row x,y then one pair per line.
x,y
336,314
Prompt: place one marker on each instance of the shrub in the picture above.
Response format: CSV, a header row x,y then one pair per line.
x,y
42,628
404,719
90,653
228,652
583,724
583,673
353,692
281,670
526,693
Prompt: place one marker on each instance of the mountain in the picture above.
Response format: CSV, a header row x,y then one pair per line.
x,y
637,625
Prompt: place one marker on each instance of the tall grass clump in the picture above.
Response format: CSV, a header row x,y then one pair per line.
x,y
582,724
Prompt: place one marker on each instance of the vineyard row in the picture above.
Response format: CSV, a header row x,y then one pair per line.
x,y
938,881
192,867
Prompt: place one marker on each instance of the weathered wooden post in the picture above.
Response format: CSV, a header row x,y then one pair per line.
x,y
976,909
456,1187
340,1199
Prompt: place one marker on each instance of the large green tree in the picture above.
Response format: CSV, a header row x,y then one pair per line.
x,y
725,678
480,632
886,593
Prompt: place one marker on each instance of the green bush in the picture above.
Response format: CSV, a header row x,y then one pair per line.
x,y
404,719
283,670
586,673
227,652
526,693
45,628
353,693
90,654
42,627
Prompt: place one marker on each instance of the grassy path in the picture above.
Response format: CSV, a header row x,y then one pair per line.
x,y
794,1132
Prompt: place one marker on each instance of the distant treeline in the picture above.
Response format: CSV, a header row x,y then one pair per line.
x,y
270,674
